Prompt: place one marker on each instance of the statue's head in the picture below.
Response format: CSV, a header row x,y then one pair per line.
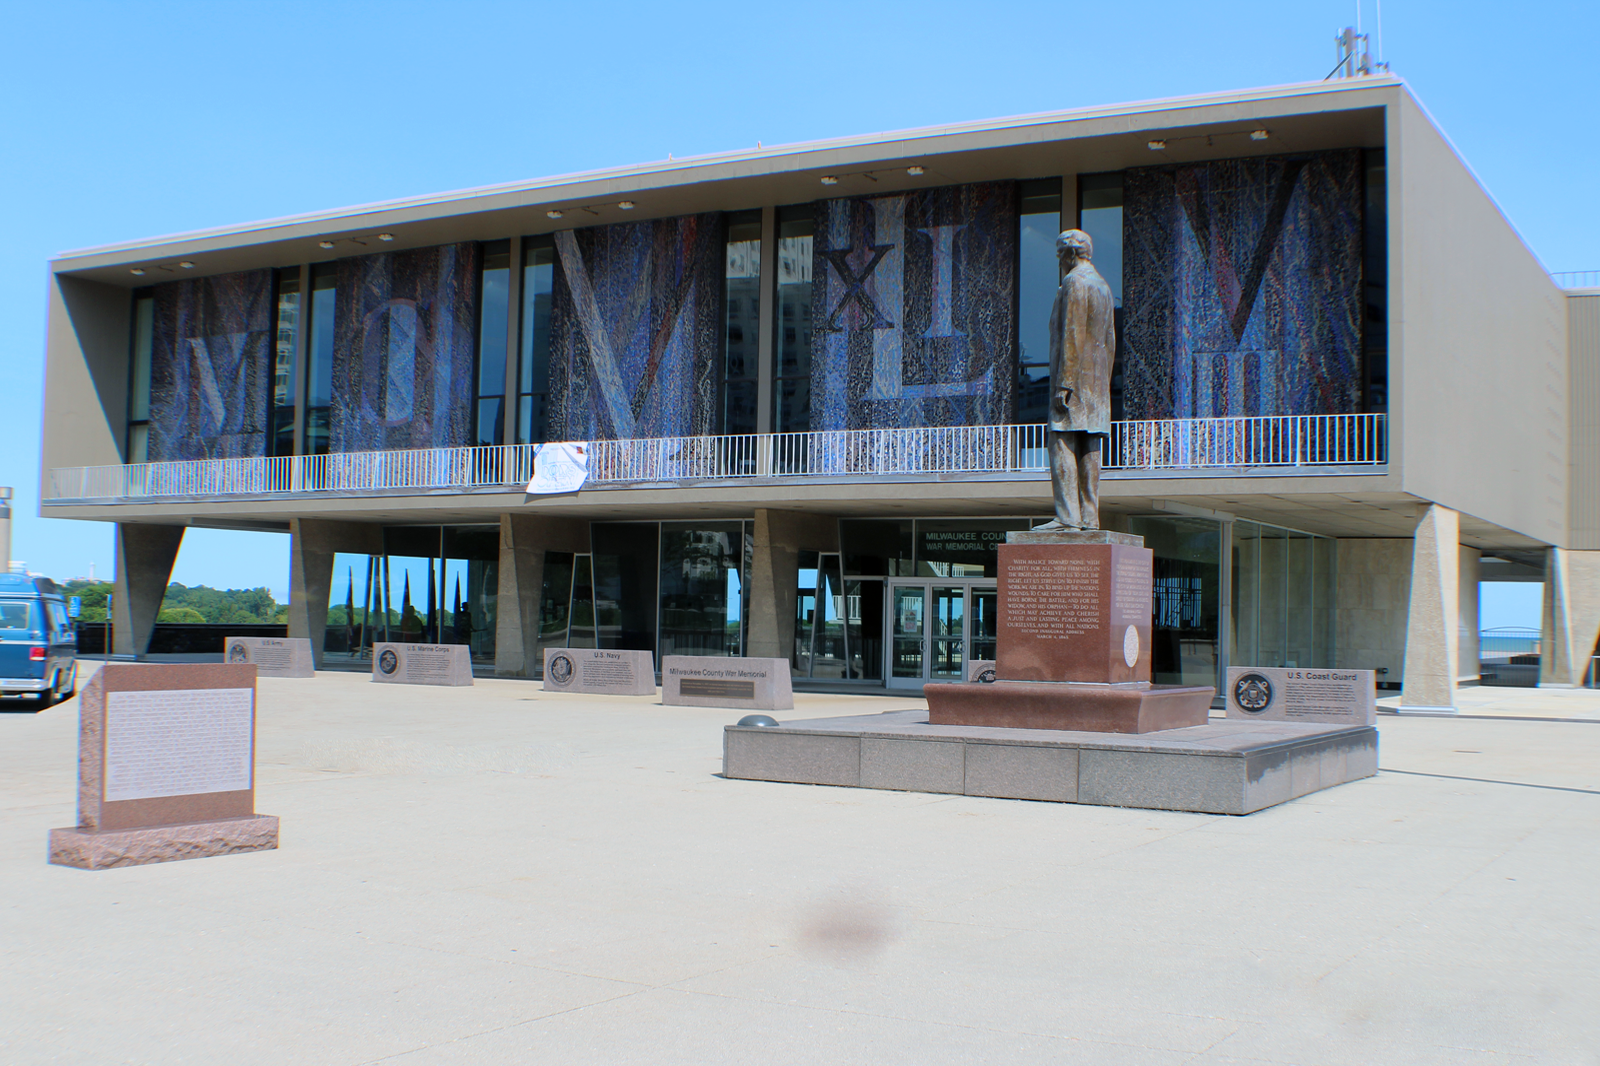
x,y
1074,244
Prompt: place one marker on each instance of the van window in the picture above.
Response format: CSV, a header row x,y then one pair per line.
x,y
14,615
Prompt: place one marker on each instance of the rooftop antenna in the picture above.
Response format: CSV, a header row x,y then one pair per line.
x,y
1355,57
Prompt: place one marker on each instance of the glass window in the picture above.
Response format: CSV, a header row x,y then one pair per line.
x,y
702,588
16,615
1100,216
583,621
533,372
792,321
1375,328
1038,276
1187,598
626,567
878,547
962,547
494,310
742,317
555,606
863,615
805,611
144,319
319,377
285,362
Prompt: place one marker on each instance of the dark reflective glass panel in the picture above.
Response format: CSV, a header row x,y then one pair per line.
x,y
702,590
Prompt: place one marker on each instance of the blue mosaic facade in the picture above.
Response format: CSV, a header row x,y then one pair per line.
x,y
211,367
914,309
1242,284
636,323
404,348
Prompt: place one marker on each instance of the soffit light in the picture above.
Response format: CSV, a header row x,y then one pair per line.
x,y
829,179
325,245
1260,135
1156,146
552,214
137,271
385,236
186,265
915,172
626,205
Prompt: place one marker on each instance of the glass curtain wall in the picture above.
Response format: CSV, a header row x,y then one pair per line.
x,y
1186,608
1100,216
533,370
285,363
703,598
1038,275
144,325
792,377
741,325
319,374
494,309
431,585
1283,589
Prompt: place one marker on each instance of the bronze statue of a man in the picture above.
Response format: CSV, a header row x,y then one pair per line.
x,y
1082,344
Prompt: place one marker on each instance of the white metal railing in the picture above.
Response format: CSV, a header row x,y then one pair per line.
x,y
1170,444
1577,279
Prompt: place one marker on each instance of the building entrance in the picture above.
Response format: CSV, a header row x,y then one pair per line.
x,y
932,627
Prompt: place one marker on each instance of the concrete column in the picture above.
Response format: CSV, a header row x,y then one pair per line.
x,y
780,537
1433,650
312,545
1467,631
145,555
1571,623
524,539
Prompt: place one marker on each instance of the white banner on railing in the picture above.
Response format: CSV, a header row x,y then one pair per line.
x,y
562,467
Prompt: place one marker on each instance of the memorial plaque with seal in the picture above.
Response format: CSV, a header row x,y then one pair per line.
x,y
1283,694
720,681
272,656
166,767
1074,612
422,664
600,671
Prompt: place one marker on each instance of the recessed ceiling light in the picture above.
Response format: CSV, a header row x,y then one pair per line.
x,y
385,236
1155,146
626,205
186,265
829,179
138,271
1259,135
915,172
552,214
324,244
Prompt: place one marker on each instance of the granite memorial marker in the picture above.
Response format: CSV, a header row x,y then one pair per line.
x,y
600,671
721,681
272,656
1277,694
166,767
422,664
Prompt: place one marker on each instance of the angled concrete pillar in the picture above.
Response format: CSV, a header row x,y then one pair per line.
x,y
1571,623
1433,650
145,554
524,539
780,537
312,545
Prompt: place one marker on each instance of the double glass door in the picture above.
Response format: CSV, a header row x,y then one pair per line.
x,y
934,627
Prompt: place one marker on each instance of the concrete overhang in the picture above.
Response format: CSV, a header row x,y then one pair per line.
x,y
1304,117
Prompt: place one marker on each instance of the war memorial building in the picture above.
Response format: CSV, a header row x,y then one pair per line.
x,y
811,384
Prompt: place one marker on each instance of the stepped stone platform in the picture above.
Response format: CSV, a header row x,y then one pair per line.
x,y
1223,767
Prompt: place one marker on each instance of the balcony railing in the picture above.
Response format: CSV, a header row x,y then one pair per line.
x,y
1222,444
1577,279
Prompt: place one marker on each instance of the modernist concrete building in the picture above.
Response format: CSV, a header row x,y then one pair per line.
x,y
809,381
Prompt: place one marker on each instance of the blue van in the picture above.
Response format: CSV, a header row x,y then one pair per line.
x,y
38,644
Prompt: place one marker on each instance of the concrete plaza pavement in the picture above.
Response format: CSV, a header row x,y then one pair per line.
x,y
497,875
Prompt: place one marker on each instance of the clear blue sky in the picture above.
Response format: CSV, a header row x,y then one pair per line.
x,y
132,120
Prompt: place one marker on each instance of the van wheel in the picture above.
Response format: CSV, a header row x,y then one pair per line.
x,y
47,698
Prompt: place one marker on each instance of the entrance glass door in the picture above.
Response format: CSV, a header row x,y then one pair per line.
x,y
934,627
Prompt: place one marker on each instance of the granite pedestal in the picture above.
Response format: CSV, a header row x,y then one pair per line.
x,y
1073,647
1224,767
166,767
